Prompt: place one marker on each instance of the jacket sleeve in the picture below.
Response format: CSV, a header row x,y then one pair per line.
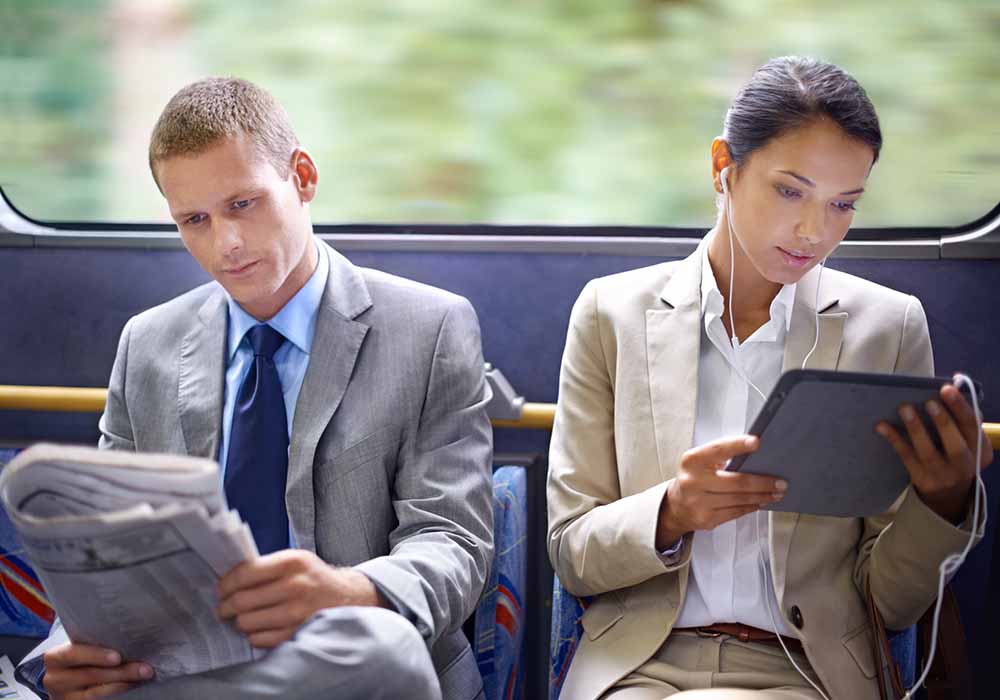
x,y
115,426
442,546
597,540
900,552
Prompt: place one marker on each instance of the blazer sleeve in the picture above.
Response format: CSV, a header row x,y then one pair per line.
x,y
900,551
597,540
115,426
442,546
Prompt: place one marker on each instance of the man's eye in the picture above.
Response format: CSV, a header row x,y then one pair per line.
x,y
196,219
242,204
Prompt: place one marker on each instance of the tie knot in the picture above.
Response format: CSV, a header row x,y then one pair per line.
x,y
264,340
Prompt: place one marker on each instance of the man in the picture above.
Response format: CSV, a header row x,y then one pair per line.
x,y
346,408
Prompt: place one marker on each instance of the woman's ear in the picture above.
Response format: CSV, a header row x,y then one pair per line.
x,y
720,160
305,175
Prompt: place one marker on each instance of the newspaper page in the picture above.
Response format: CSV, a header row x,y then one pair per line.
x,y
129,548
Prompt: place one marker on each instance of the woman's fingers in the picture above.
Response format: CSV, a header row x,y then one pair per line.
x,y
713,454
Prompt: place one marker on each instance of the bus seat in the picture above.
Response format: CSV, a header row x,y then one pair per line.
x,y
25,614
499,625
566,629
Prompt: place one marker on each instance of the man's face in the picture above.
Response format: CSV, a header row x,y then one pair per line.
x,y
248,227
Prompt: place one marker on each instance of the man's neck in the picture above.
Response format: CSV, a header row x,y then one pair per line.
x,y
295,281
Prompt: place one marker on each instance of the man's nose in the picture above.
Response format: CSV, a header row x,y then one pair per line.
x,y
228,239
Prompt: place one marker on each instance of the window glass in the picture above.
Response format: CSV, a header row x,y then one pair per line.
x,y
469,111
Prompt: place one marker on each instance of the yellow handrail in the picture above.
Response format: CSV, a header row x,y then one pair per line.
x,y
534,416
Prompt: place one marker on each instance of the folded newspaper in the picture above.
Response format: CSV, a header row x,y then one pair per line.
x,y
129,548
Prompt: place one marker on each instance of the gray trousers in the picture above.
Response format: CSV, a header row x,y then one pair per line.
x,y
346,653
339,654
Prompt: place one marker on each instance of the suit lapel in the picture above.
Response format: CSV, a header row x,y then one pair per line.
x,y
335,347
200,380
800,340
673,339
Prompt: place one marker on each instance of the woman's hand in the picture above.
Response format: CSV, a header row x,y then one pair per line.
x,y
943,478
703,495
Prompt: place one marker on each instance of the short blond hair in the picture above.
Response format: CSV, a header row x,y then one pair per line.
x,y
210,110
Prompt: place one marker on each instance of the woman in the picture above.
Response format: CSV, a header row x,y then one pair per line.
x,y
655,396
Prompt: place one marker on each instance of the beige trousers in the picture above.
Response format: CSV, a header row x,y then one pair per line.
x,y
691,667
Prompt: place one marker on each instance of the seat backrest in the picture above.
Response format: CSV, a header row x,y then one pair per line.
x,y
567,610
24,609
499,627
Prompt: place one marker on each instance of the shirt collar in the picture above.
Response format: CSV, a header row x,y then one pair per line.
x,y
296,320
712,302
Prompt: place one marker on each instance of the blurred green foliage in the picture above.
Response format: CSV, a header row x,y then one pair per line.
x,y
528,111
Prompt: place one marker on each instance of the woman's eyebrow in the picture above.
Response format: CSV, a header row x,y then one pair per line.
x,y
806,181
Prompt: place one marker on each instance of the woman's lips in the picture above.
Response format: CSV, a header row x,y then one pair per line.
x,y
795,259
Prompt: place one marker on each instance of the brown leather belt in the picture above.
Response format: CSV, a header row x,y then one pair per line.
x,y
745,633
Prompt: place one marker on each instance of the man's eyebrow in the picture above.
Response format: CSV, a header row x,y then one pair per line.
x,y
806,181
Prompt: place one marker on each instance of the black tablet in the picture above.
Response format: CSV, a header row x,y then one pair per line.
x,y
817,432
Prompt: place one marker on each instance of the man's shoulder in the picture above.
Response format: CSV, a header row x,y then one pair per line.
x,y
174,317
393,294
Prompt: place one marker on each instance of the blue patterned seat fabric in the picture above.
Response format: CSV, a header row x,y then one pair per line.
x,y
24,609
566,630
500,616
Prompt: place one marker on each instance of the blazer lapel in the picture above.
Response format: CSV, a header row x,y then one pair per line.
x,y
201,377
336,343
800,340
673,339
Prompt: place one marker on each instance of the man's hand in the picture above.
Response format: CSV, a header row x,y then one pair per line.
x,y
942,478
269,598
82,672
703,495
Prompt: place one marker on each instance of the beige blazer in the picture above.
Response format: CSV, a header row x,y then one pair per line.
x,y
626,414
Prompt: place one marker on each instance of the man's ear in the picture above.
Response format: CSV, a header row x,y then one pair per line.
x,y
305,175
720,159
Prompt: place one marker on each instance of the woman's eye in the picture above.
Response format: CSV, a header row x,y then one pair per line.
x,y
845,206
788,192
242,204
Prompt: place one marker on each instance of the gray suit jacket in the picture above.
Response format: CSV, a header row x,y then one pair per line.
x,y
390,456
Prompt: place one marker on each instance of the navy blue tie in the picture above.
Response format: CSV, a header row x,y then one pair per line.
x,y
257,462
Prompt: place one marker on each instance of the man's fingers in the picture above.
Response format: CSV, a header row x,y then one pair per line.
x,y
243,601
712,454
265,569
64,680
100,691
267,619
71,655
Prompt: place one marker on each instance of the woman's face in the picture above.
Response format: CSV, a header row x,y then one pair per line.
x,y
793,199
